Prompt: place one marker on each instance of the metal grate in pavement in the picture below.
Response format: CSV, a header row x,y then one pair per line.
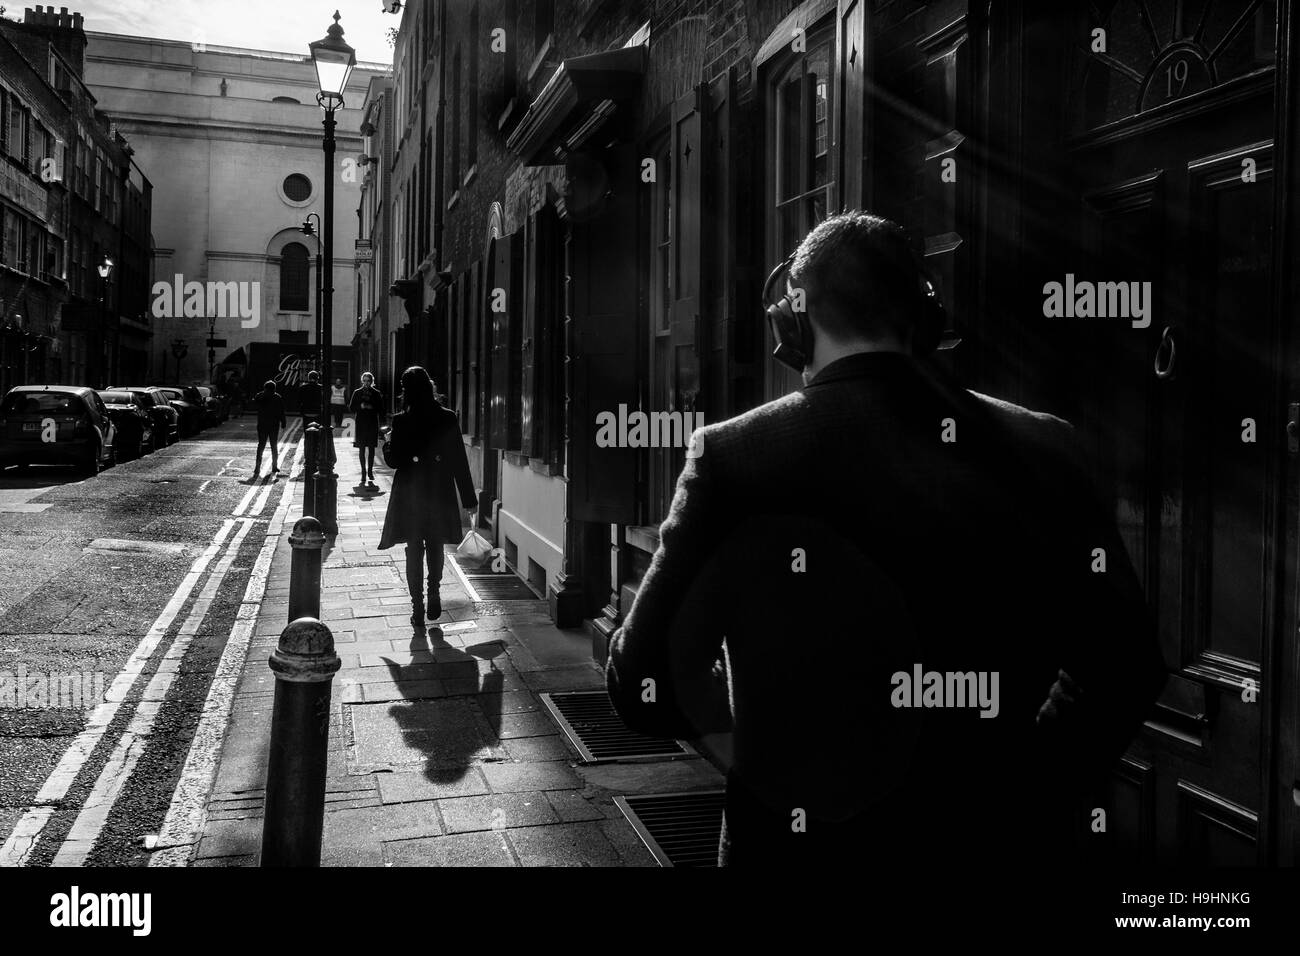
x,y
680,829
592,725
506,586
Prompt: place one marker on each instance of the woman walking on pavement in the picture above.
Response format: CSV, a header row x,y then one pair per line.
x,y
367,405
425,448
270,419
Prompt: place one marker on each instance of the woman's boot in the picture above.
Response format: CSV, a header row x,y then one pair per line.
x,y
417,611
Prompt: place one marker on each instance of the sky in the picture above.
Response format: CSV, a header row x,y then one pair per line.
x,y
281,26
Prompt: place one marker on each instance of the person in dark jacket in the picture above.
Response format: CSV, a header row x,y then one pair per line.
x,y
876,600
424,508
367,404
270,419
309,400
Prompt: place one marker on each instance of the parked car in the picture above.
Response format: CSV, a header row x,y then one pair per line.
x,y
56,425
213,407
166,420
134,423
190,412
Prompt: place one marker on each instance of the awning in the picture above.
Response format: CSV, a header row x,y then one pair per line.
x,y
580,97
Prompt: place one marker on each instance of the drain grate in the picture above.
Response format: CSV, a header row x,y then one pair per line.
x,y
500,587
680,829
592,725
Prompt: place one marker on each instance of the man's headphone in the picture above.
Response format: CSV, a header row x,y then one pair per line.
x,y
794,335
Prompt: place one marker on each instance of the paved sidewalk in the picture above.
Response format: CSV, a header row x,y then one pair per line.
x,y
440,752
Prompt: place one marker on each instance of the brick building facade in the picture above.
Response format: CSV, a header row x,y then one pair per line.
x,y
588,195
76,200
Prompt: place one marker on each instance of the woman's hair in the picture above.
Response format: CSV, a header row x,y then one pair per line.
x,y
367,375
417,390
269,387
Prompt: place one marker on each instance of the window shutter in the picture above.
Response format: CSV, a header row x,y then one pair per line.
x,y
4,121
474,359
505,309
689,152
550,361
602,271
530,419
453,344
850,108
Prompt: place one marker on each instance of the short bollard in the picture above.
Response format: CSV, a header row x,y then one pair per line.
x,y
308,543
311,455
327,483
304,664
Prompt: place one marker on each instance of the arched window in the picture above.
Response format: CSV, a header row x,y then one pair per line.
x,y
295,279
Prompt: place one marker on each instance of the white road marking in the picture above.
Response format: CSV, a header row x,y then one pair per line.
x,y
256,509
187,813
121,764
25,834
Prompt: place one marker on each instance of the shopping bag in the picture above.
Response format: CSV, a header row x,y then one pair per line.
x,y
474,550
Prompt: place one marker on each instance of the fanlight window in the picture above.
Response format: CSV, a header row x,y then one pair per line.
x,y
1132,56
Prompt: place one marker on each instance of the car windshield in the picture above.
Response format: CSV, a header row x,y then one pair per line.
x,y
144,398
42,403
117,398
172,394
205,392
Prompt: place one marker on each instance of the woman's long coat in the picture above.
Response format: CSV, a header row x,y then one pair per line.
x,y
429,457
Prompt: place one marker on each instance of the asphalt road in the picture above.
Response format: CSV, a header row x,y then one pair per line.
x,y
97,585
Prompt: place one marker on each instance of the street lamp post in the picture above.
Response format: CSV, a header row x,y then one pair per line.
x,y
314,230
105,270
334,61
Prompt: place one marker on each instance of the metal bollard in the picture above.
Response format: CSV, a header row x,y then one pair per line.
x,y
327,483
304,664
308,543
311,454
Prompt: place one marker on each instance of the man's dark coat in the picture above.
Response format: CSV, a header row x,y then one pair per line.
x,y
835,539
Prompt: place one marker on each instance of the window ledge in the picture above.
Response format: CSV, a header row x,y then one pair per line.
x,y
540,58
510,115
469,176
544,467
455,198
643,537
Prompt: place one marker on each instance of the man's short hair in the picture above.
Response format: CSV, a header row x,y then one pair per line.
x,y
859,276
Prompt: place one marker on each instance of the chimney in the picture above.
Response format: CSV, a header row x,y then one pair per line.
x,y
64,31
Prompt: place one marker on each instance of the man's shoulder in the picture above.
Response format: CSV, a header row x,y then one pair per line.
x,y
770,417
1024,420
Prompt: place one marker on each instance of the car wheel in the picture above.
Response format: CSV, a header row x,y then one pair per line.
x,y
90,467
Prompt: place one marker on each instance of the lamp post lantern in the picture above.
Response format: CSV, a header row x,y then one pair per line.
x,y
334,61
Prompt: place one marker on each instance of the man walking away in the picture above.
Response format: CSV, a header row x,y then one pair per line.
x,y
270,419
882,585
309,399
338,402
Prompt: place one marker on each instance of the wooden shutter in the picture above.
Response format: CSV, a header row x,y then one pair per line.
x,y
550,362
689,158
851,104
474,377
602,302
530,411
455,331
541,380
507,328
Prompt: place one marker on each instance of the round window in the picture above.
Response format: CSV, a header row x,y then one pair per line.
x,y
297,188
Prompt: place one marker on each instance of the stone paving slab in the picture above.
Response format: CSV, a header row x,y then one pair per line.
x,y
440,751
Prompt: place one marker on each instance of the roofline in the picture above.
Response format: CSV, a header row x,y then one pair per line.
x,y
234,51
